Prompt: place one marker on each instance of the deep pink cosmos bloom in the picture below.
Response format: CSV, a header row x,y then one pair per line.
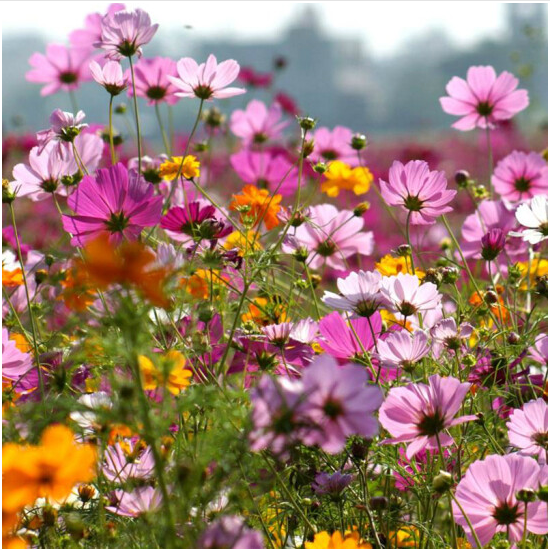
x,y
64,127
230,532
520,176
15,364
348,339
528,429
420,192
490,215
333,145
152,81
116,202
128,462
483,99
8,236
124,33
255,79
330,236
404,294
359,293
289,106
402,350
207,80
265,170
110,76
420,413
144,499
339,404
492,244
62,68
487,493
87,37
257,123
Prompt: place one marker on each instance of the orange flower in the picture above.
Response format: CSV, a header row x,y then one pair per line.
x,y
127,265
350,540
48,470
407,537
12,278
76,294
199,284
265,312
499,310
170,372
257,205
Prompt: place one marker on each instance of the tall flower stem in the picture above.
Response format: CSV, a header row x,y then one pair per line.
x,y
136,113
490,158
74,104
165,140
407,230
478,543
111,140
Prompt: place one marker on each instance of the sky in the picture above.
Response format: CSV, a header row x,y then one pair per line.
x,y
383,26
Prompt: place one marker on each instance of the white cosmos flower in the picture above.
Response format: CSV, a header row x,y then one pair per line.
x,y
534,217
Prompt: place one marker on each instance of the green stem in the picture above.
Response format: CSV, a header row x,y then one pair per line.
x,y
136,113
478,543
111,140
162,131
407,231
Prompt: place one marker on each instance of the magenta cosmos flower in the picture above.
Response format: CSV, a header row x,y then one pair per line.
x,y
62,68
152,81
528,429
88,36
422,193
404,294
207,80
330,236
110,76
483,99
339,404
333,145
520,176
359,293
123,33
420,413
487,494
257,123
265,170
116,202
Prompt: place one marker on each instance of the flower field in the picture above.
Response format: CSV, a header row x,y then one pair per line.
x,y
256,331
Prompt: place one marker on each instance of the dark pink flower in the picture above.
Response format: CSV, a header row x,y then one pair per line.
x,y
116,202
483,99
152,82
492,244
255,79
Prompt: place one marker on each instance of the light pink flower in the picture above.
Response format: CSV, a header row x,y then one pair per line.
x,y
144,499
528,429
15,364
264,170
402,350
520,176
87,37
123,463
419,413
405,294
420,192
339,404
123,33
152,82
446,335
333,145
539,352
64,128
487,493
330,236
257,123
483,99
62,68
110,76
207,80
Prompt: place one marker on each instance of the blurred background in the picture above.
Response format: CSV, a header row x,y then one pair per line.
x,y
377,67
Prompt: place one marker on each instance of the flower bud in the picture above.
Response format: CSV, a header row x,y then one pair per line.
x,y
315,280
442,482
213,117
541,286
40,276
307,123
492,244
301,254
491,298
361,208
320,167
309,145
404,250
527,495
120,109
446,244
358,142
201,147
49,515
434,276
480,192
542,494
449,274
206,313
513,338
462,178
378,503
86,492
469,360
8,195
280,62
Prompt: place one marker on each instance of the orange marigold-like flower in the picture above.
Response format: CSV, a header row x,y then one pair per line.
x,y
341,176
265,312
190,168
392,265
350,540
257,205
498,309
169,372
407,537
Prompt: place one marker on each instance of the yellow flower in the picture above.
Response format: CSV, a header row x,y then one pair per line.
x,y
350,540
12,278
390,265
248,242
341,176
407,537
48,470
171,372
539,267
190,169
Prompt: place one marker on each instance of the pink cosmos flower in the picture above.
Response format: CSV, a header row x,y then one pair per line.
x,y
483,99
404,294
152,81
490,215
15,364
257,123
64,127
348,339
207,80
420,413
110,76
87,37
528,429
520,176
265,170
339,404
89,148
305,331
62,68
230,532
254,78
144,499
124,33
402,350
330,236
539,352
333,145
332,484
487,493
125,461
359,293
116,202
446,335
420,192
